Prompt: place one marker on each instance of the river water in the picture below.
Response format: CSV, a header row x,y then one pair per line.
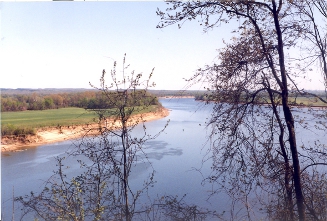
x,y
176,155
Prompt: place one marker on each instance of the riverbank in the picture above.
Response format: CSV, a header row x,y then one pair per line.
x,y
315,107
174,97
55,134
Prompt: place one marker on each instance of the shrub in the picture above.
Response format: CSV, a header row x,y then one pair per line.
x,y
10,129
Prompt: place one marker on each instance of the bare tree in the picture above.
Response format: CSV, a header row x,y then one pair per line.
x,y
254,146
103,191
312,19
107,156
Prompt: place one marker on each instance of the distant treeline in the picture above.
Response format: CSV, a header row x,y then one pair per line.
x,y
204,97
87,99
178,93
263,98
48,91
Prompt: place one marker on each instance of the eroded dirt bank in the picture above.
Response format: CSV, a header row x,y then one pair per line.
x,y
53,135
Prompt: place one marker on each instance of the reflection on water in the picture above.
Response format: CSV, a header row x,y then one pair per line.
x,y
176,155
172,155
156,145
169,152
158,149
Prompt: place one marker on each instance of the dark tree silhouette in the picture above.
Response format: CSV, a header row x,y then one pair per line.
x,y
255,146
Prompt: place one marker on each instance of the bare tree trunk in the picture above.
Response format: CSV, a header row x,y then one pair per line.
x,y
296,164
289,119
125,181
288,170
124,139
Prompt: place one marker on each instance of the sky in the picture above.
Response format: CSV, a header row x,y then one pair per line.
x,y
68,44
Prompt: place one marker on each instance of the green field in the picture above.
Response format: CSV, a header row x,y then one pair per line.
x,y
47,118
299,101
306,101
51,118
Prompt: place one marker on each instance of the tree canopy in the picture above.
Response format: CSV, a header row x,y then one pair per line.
x,y
275,45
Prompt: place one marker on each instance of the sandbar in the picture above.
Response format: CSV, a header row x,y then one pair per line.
x,y
53,135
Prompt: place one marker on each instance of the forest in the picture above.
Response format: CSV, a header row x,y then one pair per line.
x,y
43,100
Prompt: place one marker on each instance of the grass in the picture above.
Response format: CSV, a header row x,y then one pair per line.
x,y
47,118
264,99
28,121
306,101
302,101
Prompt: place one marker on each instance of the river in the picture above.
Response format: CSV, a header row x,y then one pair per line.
x,y
176,155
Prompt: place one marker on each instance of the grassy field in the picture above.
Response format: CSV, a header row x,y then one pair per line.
x,y
301,101
50,118
47,118
264,99
308,101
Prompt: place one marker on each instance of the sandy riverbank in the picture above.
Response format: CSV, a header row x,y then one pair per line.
x,y
53,135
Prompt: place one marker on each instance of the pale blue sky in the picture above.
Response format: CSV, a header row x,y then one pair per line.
x,y
67,44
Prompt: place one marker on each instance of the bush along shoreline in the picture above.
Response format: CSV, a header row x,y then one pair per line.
x,y
11,130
